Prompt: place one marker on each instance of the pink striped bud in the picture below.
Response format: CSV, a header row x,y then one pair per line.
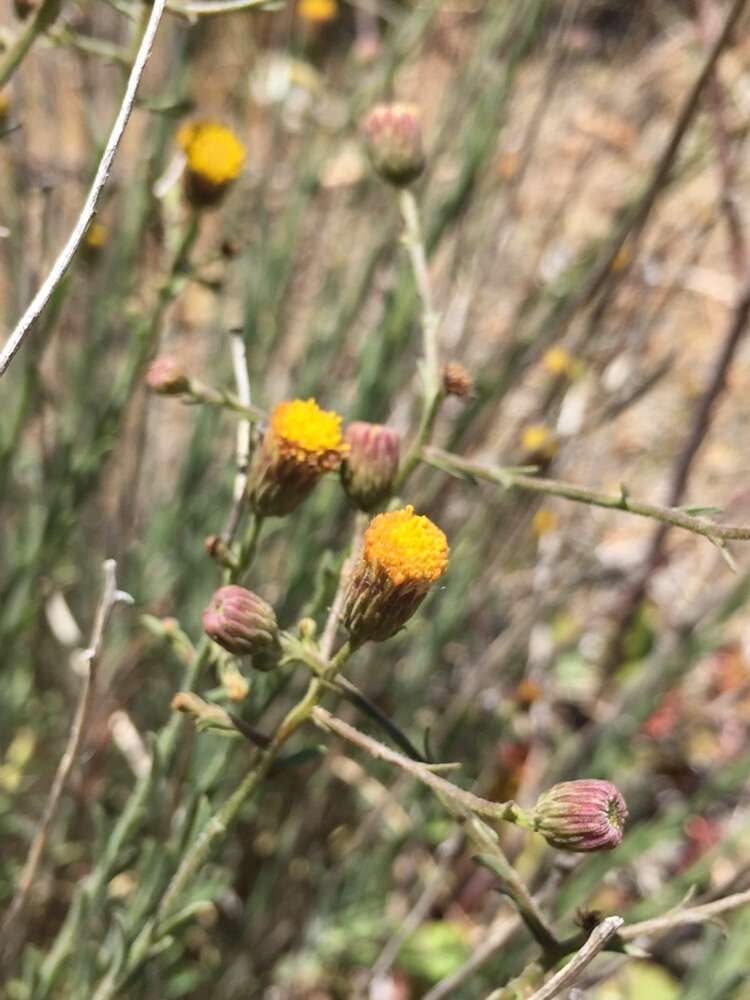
x,y
587,815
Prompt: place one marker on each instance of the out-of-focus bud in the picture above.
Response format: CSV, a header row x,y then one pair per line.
x,y
244,624
4,106
370,466
457,381
301,444
204,715
215,158
403,555
582,816
24,8
307,629
393,134
167,377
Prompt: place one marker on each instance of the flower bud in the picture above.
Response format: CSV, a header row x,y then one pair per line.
x,y
393,134
403,555
370,466
215,158
167,377
457,381
301,444
244,624
587,815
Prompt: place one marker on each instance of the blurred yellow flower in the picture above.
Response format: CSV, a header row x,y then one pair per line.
x,y
215,158
557,361
545,521
97,236
318,11
538,439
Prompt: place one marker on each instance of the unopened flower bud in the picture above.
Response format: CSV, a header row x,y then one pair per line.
x,y
369,468
215,158
403,555
167,377
24,8
244,624
457,381
301,444
393,134
587,815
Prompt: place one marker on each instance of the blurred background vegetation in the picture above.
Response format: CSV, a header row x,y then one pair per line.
x,y
590,298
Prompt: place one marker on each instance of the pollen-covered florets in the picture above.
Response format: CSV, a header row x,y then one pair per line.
x,y
301,444
403,555
215,158
408,547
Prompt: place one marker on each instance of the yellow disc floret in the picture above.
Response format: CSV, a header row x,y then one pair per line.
x,y
213,152
301,424
408,547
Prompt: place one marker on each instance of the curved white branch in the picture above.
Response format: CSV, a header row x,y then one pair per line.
x,y
61,265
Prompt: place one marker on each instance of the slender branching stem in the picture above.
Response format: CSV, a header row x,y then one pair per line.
x,y
432,390
111,596
43,18
513,478
65,257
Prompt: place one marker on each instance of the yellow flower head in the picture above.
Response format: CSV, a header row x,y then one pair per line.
x,y
404,554
538,440
557,361
407,546
306,429
301,444
215,158
4,105
318,11
97,235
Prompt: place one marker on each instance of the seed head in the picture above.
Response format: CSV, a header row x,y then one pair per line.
x,y
393,135
244,624
587,815
167,377
404,554
215,158
301,444
370,466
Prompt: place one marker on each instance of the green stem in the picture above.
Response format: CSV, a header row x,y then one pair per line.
x,y
44,17
509,478
432,388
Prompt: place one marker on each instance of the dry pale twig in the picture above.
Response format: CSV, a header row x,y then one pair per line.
x,y
244,432
682,918
110,597
64,259
571,972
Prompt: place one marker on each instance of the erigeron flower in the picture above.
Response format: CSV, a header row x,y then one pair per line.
x,y
586,815
403,555
214,160
301,444
370,466
393,135
244,624
318,11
